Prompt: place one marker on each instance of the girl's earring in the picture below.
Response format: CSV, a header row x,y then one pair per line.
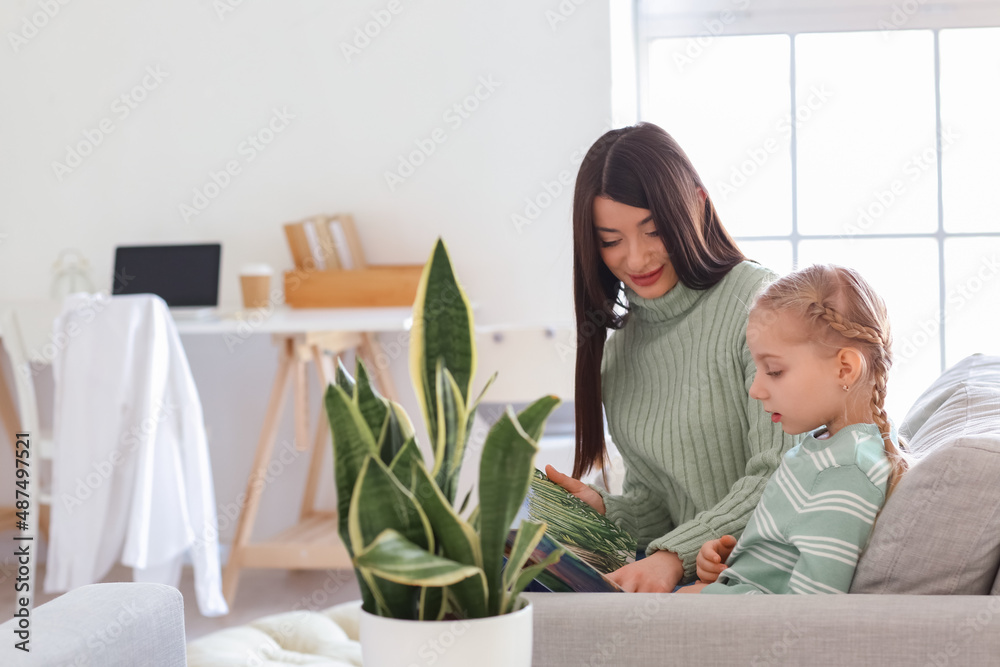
x,y
846,388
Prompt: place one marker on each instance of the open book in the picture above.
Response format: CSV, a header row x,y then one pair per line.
x,y
594,545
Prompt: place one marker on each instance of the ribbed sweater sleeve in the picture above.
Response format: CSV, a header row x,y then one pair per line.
x,y
697,450
729,516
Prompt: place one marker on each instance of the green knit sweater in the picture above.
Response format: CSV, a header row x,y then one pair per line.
x,y
698,451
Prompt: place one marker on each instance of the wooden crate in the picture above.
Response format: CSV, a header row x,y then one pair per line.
x,y
372,286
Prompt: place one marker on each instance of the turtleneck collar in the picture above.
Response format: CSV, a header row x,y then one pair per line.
x,y
664,308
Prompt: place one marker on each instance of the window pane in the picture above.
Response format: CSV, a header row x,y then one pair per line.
x,y
866,149
912,300
775,255
972,297
727,104
970,138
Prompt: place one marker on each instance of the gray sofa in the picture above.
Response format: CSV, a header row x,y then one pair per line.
x,y
104,625
930,569
932,560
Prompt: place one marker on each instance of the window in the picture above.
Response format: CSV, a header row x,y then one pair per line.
x,y
863,136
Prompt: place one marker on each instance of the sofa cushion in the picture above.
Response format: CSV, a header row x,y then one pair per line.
x,y
319,639
976,369
939,532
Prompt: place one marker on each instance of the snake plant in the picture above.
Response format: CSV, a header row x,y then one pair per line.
x,y
416,554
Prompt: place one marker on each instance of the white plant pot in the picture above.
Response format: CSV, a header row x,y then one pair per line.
x,y
498,641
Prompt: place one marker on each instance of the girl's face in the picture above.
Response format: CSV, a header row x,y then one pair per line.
x,y
632,249
800,383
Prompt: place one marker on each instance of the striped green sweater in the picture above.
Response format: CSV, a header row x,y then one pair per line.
x,y
698,450
814,517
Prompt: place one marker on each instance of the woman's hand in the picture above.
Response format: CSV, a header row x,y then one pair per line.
x,y
711,560
659,572
577,488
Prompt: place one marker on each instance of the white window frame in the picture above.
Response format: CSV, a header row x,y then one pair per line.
x,y
705,20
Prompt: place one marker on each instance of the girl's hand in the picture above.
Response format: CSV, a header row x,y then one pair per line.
x,y
659,572
712,557
693,588
577,488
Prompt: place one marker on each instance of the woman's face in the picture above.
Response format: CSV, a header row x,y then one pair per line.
x,y
632,249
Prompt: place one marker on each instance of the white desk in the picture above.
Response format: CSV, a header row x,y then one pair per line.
x,y
285,320
301,336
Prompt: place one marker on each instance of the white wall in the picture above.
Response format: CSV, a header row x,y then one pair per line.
x,y
223,75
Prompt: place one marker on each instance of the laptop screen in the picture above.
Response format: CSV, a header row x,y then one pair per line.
x,y
182,275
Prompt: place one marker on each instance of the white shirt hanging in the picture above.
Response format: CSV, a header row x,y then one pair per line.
x,y
131,476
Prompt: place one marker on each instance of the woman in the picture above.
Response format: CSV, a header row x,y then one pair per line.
x,y
675,375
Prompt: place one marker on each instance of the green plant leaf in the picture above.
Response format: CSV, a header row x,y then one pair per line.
x,y
403,466
450,446
352,444
457,540
442,329
504,475
344,379
526,576
465,501
380,503
394,558
396,430
374,408
532,418
433,603
489,383
529,534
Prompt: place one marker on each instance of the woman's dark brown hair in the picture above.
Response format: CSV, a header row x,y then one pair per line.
x,y
640,166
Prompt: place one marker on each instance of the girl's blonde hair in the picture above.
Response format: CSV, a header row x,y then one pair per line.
x,y
837,305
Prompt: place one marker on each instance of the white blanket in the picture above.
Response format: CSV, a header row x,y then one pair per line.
x,y
132,480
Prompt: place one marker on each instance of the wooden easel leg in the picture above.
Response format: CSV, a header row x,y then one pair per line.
x,y
300,403
324,370
371,350
256,481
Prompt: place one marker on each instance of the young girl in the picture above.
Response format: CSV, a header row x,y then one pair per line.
x,y
821,342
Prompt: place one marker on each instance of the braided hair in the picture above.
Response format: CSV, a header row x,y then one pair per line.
x,y
836,303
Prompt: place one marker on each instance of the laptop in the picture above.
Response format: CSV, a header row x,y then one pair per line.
x,y
185,276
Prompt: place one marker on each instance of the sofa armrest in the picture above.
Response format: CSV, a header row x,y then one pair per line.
x,y
604,629
111,625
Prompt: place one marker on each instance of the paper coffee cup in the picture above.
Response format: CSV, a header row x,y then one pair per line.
x,y
255,282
